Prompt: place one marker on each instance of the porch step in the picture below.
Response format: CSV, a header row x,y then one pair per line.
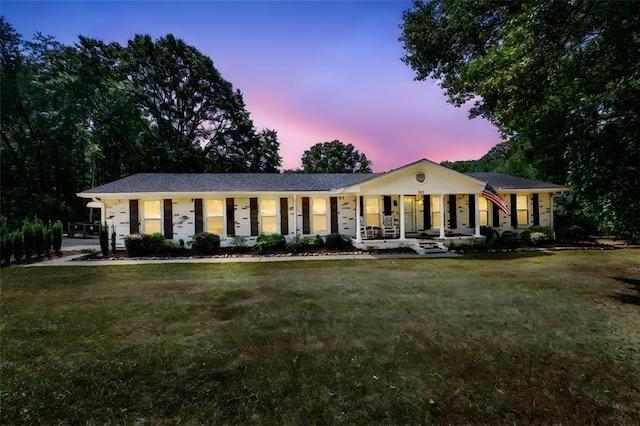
x,y
428,247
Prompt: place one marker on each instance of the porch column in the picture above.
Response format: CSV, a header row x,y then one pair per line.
x,y
477,207
358,224
402,227
295,214
442,222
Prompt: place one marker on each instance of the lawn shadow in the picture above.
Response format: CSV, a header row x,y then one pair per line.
x,y
628,297
499,255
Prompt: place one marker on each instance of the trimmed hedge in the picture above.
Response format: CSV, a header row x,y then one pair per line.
x,y
206,243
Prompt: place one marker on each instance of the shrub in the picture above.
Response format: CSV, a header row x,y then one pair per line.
x,y
6,245
318,241
56,236
18,245
137,244
267,243
537,237
571,234
47,240
239,243
104,238
113,239
547,231
525,236
509,238
38,237
491,234
206,243
336,242
28,238
299,244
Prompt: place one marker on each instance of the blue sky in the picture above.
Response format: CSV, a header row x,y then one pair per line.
x,y
312,70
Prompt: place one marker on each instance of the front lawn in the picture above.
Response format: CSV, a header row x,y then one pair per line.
x,y
518,338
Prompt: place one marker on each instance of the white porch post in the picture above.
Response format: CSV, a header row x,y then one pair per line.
x,y
358,224
442,223
402,225
477,207
295,214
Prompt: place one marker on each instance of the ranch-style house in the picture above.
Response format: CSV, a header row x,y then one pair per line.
x,y
422,205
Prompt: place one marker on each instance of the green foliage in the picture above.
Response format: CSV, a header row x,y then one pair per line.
x,y
18,245
334,157
509,238
139,245
206,243
491,234
113,239
6,246
299,244
56,236
29,238
560,81
104,238
318,241
239,243
336,241
38,237
269,243
544,230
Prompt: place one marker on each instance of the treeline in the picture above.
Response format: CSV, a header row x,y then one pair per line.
x,y
74,117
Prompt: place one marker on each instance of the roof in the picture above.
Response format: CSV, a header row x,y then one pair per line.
x,y
503,181
229,182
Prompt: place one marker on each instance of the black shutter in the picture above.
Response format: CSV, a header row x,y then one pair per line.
x,y
387,205
284,216
361,206
231,217
306,222
514,211
426,199
472,211
496,215
168,219
134,223
536,210
453,214
334,215
253,215
199,222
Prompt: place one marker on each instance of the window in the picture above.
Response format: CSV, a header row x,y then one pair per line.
x,y
269,216
435,212
152,217
483,205
421,177
319,215
372,211
215,217
522,205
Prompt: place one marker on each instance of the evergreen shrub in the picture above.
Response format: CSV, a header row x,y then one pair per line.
x,y
206,243
336,241
267,243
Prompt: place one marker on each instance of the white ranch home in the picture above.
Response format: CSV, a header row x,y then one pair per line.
x,y
422,204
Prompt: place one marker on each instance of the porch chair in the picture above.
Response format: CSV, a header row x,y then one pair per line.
x,y
388,227
366,233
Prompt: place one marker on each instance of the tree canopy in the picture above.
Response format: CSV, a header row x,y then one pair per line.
x,y
334,157
561,80
78,116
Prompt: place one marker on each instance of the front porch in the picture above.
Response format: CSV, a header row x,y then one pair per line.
x,y
421,243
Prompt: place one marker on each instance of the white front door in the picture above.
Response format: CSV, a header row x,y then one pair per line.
x,y
410,213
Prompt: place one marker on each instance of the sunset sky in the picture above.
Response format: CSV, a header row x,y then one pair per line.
x,y
314,71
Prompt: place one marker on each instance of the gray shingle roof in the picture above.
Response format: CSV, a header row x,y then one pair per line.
x,y
504,181
230,182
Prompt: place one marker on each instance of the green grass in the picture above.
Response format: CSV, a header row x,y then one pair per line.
x,y
529,338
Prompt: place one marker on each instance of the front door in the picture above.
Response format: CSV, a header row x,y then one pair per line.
x,y
410,213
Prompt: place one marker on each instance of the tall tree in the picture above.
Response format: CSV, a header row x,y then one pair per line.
x,y
561,81
334,157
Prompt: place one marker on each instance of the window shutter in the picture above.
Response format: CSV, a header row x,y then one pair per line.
x,y
253,215
284,216
168,219
536,210
334,215
231,217
306,222
386,205
514,211
199,222
134,223
496,216
426,200
453,214
472,211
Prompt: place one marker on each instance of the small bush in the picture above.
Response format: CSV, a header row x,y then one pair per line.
x,y
267,243
547,231
18,245
336,242
113,239
491,234
509,238
6,245
299,244
239,243
104,238
28,238
38,237
206,243
571,234
525,236
136,244
56,236
538,237
318,241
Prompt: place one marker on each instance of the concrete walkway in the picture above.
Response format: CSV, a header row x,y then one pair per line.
x,y
79,244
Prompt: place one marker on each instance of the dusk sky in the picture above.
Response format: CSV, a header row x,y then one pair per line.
x,y
313,71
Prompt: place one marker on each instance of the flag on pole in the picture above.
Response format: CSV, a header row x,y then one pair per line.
x,y
490,194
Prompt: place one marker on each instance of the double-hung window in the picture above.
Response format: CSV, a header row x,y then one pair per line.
x,y
522,206
268,216
215,216
483,210
435,212
372,211
319,215
152,217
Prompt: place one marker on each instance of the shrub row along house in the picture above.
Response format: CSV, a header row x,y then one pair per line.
x,y
420,205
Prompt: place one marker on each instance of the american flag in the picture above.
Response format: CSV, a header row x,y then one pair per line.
x,y
490,194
